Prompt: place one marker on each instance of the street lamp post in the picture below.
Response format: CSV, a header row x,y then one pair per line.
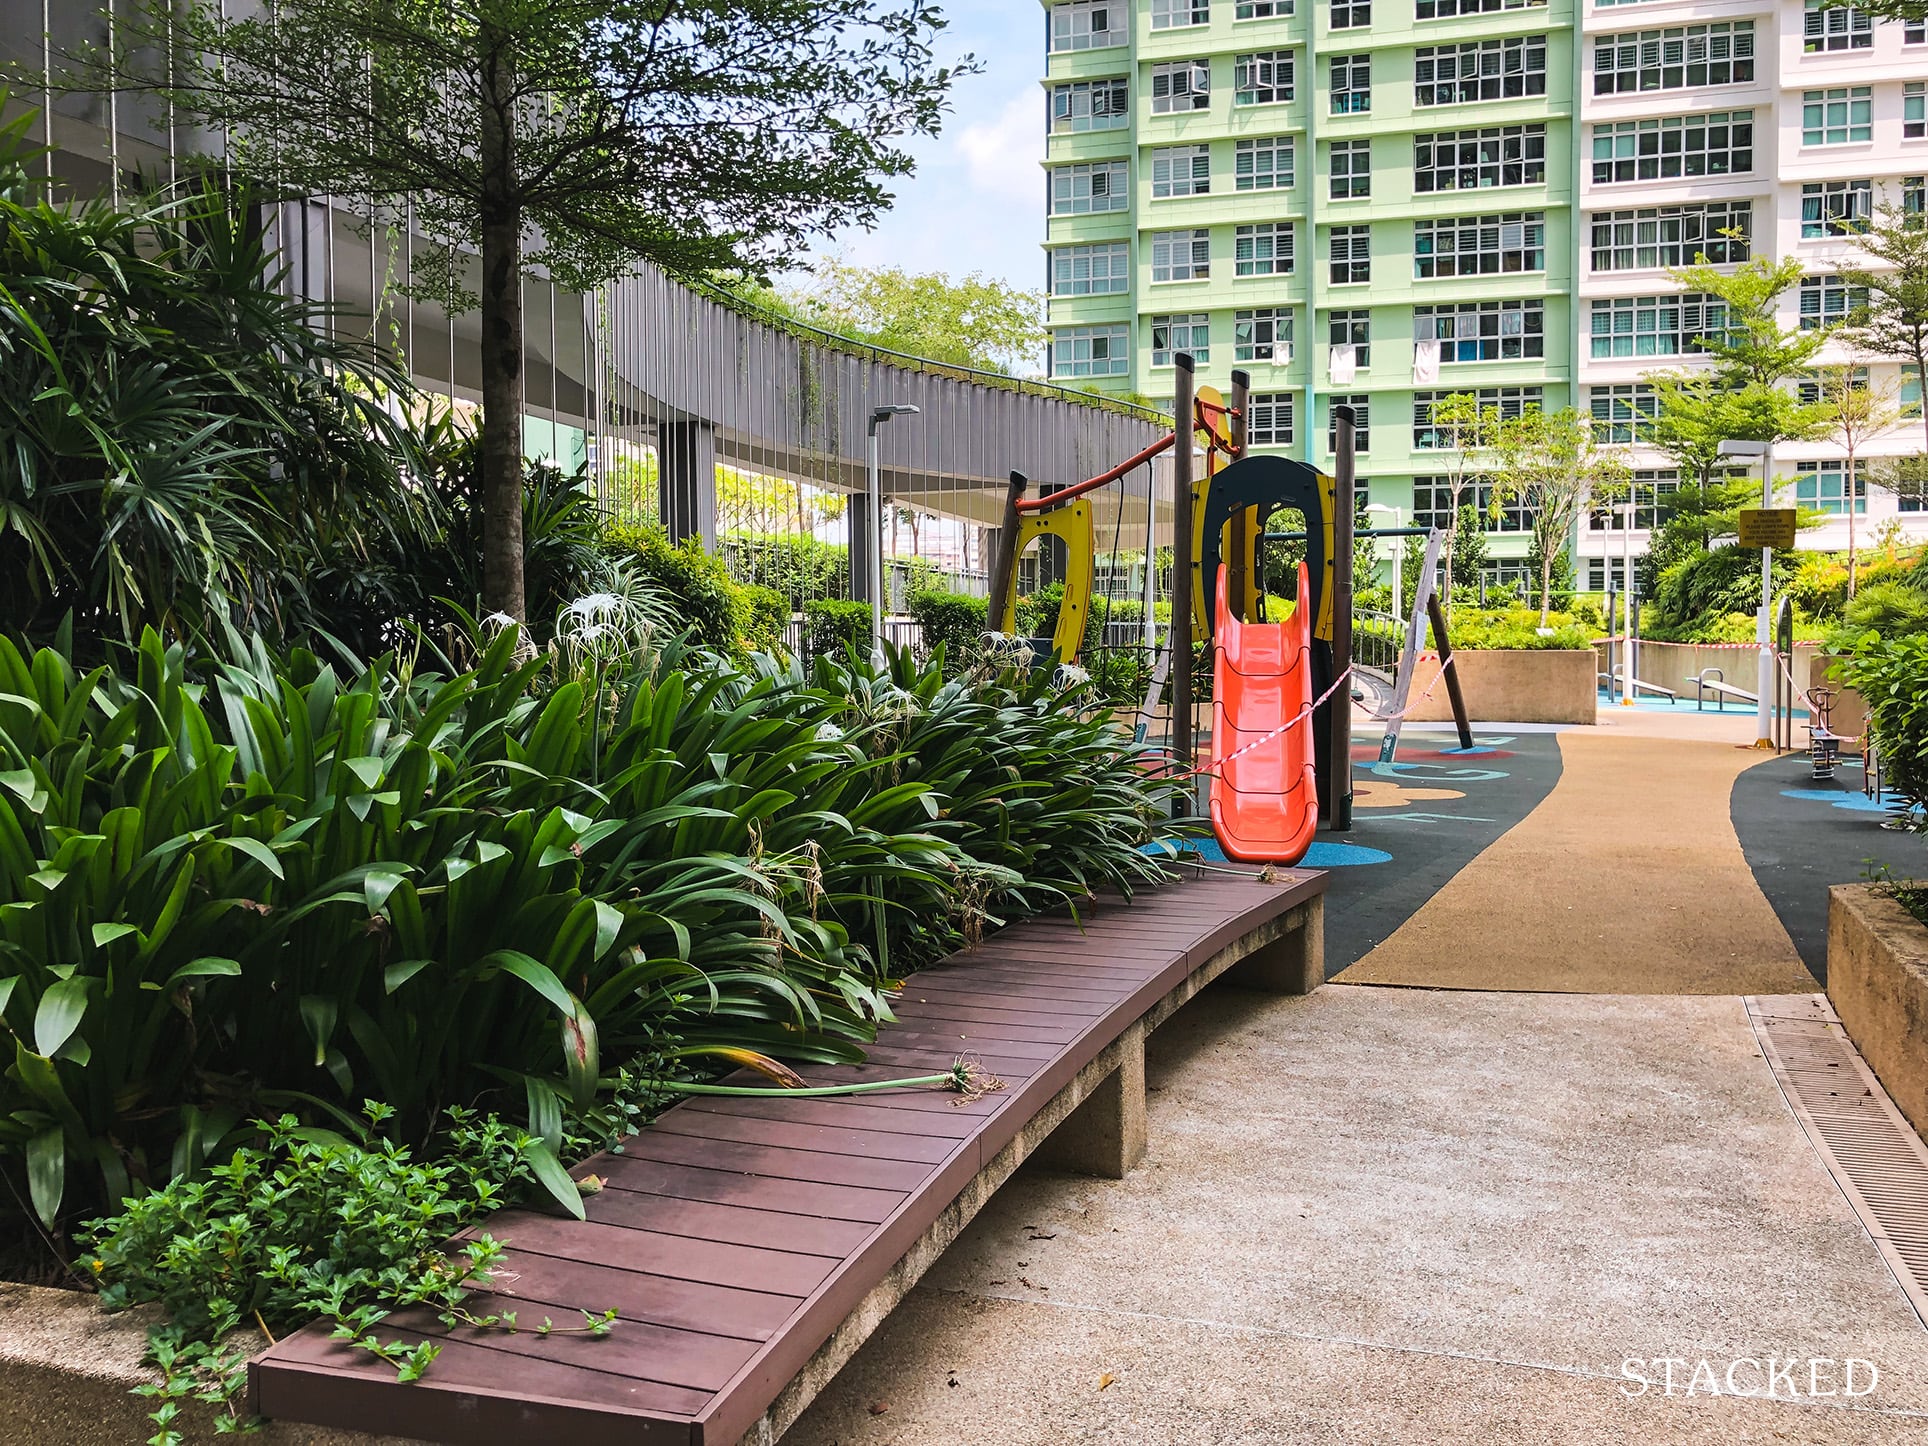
x,y
874,495
1628,663
1763,626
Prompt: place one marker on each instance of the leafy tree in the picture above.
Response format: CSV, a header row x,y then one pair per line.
x,y
1469,546
1857,410
1894,322
1465,431
1898,9
1753,354
573,136
973,321
1552,464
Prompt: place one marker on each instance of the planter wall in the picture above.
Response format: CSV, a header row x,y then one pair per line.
x,y
1530,685
1878,984
67,1367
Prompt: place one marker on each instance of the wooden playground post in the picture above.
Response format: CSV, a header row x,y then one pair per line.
x,y
1438,616
1339,709
1239,542
1004,560
1181,632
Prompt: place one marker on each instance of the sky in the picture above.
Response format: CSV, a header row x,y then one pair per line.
x,y
976,200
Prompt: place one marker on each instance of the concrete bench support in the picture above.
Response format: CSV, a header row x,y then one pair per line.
x,y
1104,1134
1292,963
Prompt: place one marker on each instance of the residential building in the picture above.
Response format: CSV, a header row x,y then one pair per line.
x,y
1386,201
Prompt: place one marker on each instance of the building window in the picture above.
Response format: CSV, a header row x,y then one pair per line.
x,y
1351,84
1351,170
1447,9
1680,58
1091,105
1350,252
1262,250
1261,9
1353,329
1810,387
1823,487
1646,489
1263,164
1361,422
1433,505
1718,144
1090,351
1622,414
1089,24
1479,245
1908,398
1191,333
1480,160
1179,87
1268,419
1171,14
1829,301
1262,334
1914,109
1181,171
1482,331
1480,70
1081,190
1658,236
1914,195
1834,208
1181,255
1915,32
1262,78
1510,402
1100,270
1837,27
1837,117
1350,15
1635,326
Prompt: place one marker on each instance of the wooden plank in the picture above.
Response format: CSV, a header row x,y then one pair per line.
x,y
1020,1040
1019,1010
778,1162
804,1135
855,1112
623,1230
467,1398
989,994
726,1187
555,1264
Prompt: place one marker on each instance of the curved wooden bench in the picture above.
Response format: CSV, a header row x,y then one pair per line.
x,y
751,1245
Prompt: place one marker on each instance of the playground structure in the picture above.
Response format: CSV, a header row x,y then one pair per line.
x,y
1278,756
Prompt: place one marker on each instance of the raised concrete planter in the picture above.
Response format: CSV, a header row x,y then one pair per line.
x,y
1878,984
1528,685
67,1368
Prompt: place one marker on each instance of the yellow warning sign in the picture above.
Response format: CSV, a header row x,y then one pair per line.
x,y
1767,527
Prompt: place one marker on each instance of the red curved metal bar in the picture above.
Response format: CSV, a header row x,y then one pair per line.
x,y
1103,479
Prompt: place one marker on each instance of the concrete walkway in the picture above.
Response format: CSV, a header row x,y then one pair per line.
x,y
1410,1215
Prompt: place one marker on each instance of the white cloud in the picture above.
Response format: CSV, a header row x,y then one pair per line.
x,y
1001,157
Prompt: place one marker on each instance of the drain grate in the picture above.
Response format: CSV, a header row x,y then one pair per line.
x,y
1875,1156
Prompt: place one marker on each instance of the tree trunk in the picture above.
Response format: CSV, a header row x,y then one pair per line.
x,y
1853,497
502,547
1546,586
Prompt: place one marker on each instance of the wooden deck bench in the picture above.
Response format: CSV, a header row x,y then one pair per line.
x,y
751,1245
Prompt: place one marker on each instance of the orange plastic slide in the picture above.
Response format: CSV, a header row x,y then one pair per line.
x,y
1265,803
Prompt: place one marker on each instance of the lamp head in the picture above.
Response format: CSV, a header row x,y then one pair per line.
x,y
880,415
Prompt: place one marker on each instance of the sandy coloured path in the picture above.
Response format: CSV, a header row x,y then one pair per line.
x,y
1627,879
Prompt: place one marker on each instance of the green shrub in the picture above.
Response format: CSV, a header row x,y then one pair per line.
x,y
830,627
275,883
769,617
1473,629
712,604
801,568
952,621
1891,673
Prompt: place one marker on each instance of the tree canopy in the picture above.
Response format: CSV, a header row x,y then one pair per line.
x,y
971,321
575,136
